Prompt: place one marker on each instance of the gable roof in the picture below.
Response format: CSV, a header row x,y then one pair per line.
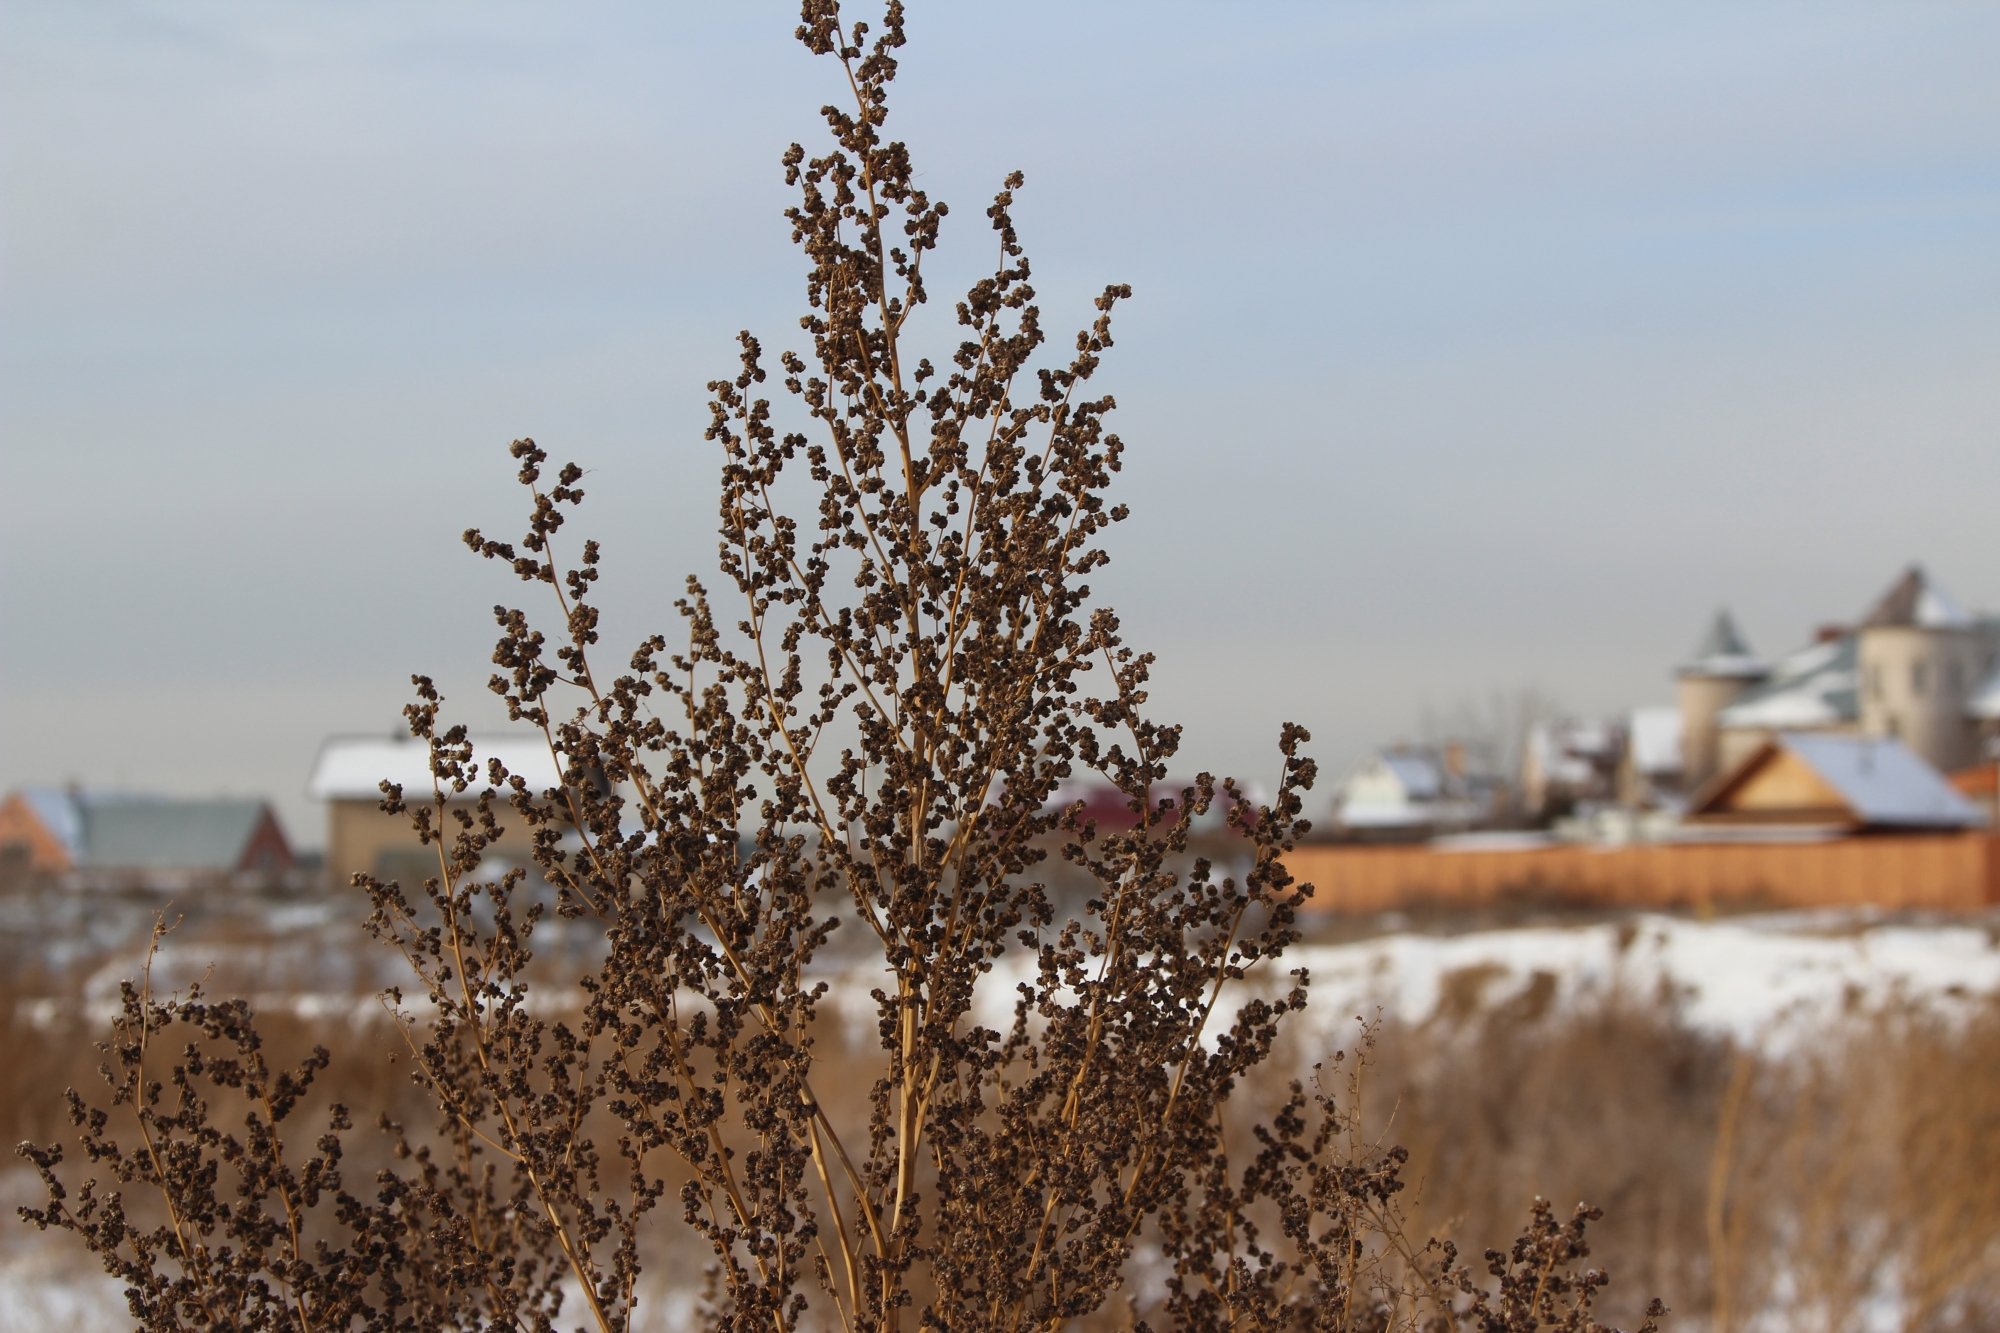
x,y
354,767
126,831
1915,600
167,833
60,812
1868,781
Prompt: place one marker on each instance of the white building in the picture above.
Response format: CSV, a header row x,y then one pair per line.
x,y
1409,792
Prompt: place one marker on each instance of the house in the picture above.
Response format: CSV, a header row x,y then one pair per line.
x,y
1652,768
101,840
1916,668
360,839
1566,765
1411,792
1104,804
41,832
1836,782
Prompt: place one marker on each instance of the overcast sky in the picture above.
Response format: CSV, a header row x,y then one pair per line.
x,y
1475,347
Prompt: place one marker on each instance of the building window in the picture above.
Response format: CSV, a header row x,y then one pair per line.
x,y
1875,681
1919,677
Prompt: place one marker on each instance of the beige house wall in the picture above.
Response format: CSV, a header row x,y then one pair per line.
x,y
1782,784
360,839
1915,684
1701,699
1738,743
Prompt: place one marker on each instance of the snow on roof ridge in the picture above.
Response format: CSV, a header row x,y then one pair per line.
x,y
1915,601
354,766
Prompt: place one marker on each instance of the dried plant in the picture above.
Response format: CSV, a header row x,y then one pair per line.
x,y
865,740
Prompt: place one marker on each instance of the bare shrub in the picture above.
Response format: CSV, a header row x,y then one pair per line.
x,y
864,737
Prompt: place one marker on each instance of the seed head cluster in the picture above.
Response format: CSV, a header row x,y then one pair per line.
x,y
856,744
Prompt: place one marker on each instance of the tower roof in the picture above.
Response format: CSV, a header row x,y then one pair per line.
x,y
1722,652
1915,601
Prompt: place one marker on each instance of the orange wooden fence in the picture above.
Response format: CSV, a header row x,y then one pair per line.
x,y
1954,871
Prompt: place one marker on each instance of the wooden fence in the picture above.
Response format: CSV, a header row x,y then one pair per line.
x,y
1946,871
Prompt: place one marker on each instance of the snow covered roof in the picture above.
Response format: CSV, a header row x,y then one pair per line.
x,y
1817,686
1722,652
1413,787
1879,780
354,767
1374,815
1655,738
1916,601
1421,775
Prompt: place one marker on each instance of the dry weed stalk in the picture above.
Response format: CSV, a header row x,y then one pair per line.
x,y
865,735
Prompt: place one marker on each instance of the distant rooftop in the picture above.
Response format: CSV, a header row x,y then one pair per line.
x,y
1876,781
1916,601
1882,781
1816,686
1722,652
116,831
354,767
161,833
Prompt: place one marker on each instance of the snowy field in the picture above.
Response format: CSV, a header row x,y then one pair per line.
x,y
1772,982
1765,981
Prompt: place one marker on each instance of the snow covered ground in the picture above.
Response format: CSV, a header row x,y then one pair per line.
x,y
1773,981
1769,981
1766,980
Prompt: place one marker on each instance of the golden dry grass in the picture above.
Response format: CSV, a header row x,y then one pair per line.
x,y
1735,1184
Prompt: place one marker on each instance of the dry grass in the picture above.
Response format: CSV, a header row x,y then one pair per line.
x,y
1739,1186
1746,1188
